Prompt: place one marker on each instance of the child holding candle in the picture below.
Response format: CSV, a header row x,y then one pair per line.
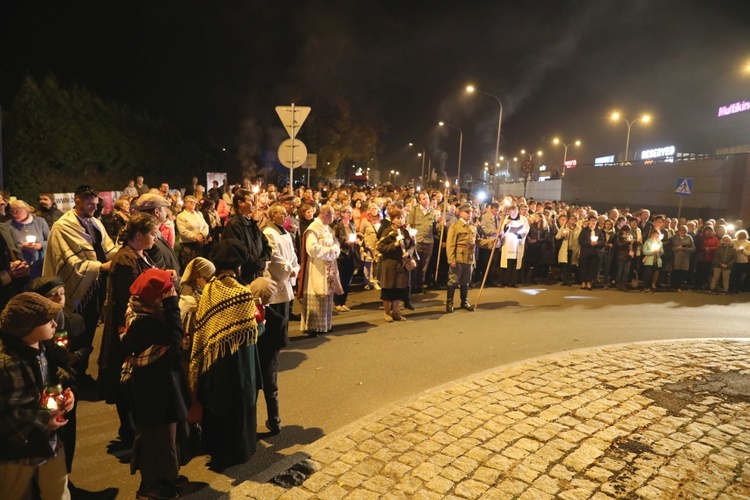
x,y
30,449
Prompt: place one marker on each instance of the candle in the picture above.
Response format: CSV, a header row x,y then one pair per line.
x,y
256,189
352,237
661,236
53,398
61,339
30,238
412,232
594,239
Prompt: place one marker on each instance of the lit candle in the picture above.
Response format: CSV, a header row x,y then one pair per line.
x,y
256,189
594,238
30,238
352,237
61,339
412,232
53,398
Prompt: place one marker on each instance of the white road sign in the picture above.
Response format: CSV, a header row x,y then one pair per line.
x,y
292,157
292,117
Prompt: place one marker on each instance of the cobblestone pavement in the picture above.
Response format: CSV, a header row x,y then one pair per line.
x,y
646,420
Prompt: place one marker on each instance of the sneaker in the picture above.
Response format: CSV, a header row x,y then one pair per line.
x,y
376,286
388,318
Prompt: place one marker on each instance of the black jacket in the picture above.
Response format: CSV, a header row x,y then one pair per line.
x,y
259,252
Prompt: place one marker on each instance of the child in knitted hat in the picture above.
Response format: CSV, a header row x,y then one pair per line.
x,y
30,448
153,334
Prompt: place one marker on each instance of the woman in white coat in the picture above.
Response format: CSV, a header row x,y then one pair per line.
x,y
569,252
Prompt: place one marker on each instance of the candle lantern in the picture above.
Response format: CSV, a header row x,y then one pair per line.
x,y
61,339
53,398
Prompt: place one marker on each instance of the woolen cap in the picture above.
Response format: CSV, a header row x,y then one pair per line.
x,y
25,312
264,289
45,285
150,201
151,284
199,267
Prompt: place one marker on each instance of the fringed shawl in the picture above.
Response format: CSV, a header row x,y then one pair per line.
x,y
71,256
225,321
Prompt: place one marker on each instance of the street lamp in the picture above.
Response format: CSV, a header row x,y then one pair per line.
x,y
565,155
531,155
460,148
644,119
422,154
471,89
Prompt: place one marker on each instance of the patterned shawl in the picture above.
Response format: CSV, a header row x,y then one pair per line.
x,y
225,321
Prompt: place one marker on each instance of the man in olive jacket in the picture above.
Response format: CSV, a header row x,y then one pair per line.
x,y
459,246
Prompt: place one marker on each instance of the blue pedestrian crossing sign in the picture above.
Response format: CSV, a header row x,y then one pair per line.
x,y
684,186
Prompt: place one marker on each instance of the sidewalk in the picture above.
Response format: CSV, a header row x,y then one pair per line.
x,y
649,420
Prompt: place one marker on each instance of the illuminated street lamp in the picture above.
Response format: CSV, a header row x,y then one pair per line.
x,y
460,148
422,154
531,155
644,119
565,155
471,89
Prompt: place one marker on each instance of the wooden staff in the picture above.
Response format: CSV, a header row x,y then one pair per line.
x,y
492,254
442,229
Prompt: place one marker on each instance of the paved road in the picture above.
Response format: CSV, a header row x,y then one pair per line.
x,y
329,382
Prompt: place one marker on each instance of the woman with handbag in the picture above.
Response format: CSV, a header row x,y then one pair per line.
x,y
394,246
346,234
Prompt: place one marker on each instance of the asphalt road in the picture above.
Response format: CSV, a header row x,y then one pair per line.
x,y
331,381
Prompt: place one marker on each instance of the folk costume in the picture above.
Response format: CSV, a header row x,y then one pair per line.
x,y
224,366
319,280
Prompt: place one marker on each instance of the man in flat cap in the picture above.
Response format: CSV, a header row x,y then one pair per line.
x,y
459,247
161,253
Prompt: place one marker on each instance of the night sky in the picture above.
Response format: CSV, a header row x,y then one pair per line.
x,y
560,67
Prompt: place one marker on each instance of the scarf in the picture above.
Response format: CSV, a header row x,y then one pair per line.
x,y
136,309
225,321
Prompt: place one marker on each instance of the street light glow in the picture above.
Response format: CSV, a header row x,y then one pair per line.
x,y
470,88
441,123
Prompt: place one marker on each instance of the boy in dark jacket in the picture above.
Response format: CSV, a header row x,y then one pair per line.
x,y
29,445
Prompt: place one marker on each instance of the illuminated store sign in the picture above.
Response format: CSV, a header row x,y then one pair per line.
x,y
737,107
657,153
603,160
571,164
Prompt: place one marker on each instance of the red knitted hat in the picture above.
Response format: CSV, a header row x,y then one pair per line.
x,y
151,284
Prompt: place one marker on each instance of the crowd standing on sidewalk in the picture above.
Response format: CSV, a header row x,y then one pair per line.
x,y
185,356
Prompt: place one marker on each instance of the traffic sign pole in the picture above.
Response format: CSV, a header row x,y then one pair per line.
x,y
291,170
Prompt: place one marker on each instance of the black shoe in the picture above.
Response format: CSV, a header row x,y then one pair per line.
x,y
466,306
330,330
294,317
311,334
407,305
159,491
448,308
273,427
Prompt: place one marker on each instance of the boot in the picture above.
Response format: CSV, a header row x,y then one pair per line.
x,y
465,298
449,298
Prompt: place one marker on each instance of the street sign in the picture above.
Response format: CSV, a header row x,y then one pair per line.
x,y
312,161
292,117
292,153
527,166
684,186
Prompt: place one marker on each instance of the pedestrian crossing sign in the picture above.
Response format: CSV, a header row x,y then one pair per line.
x,y
684,186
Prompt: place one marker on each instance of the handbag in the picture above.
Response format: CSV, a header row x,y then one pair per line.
x,y
409,263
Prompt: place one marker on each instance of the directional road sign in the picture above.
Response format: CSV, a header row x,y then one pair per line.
x,y
684,186
292,117
527,166
292,157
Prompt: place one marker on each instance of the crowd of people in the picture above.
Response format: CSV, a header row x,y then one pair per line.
x,y
197,288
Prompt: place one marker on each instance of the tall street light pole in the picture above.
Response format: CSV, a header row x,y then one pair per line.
x,y
422,154
471,89
565,155
460,148
644,119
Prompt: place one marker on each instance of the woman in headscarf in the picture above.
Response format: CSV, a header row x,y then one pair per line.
x,y
224,360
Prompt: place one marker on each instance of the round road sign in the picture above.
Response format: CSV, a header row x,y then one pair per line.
x,y
527,166
299,153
